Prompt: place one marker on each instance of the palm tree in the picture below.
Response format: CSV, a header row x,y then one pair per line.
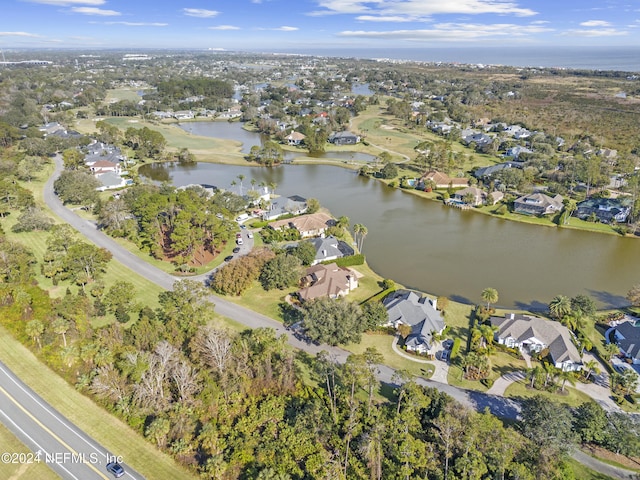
x,y
273,186
534,374
360,231
559,306
592,367
35,329
489,295
611,349
342,222
241,178
61,327
566,376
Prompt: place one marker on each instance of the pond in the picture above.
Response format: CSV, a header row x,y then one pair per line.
x,y
445,251
234,131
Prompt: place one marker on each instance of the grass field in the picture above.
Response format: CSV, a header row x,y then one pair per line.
x,y
584,473
93,419
21,471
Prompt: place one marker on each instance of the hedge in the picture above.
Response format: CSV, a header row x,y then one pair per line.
x,y
455,348
349,261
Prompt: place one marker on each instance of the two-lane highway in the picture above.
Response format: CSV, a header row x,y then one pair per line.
x,y
53,440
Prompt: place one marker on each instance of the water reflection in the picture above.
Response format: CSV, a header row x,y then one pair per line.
x,y
445,251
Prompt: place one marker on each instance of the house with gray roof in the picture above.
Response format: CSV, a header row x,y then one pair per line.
x,y
535,334
627,337
330,248
488,172
405,307
110,181
606,210
344,138
538,204
280,206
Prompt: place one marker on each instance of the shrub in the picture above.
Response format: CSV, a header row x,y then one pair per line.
x,y
455,348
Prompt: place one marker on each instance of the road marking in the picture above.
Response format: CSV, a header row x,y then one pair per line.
x,y
46,429
34,442
10,376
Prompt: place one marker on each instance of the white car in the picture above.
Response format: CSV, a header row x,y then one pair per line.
x,y
239,241
249,235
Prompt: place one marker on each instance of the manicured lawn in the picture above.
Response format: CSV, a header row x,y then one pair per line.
x,y
571,397
382,343
118,94
259,300
17,471
95,421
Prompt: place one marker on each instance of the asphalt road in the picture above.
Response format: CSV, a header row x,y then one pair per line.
x,y
53,440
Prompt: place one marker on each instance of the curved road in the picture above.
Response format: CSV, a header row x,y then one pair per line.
x,y
498,405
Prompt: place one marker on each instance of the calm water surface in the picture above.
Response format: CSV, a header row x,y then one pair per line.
x,y
234,131
445,251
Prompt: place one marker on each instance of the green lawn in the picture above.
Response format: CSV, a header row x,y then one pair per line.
x,y
114,434
584,473
119,94
571,397
21,471
382,343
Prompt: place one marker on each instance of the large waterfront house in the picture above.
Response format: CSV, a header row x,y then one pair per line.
x,y
327,281
627,337
535,334
405,307
538,204
294,205
311,225
344,138
606,210
442,180
330,248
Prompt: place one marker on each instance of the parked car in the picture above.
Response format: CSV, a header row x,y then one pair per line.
x,y
250,235
445,355
236,250
239,241
115,469
238,235
447,344
229,258
243,226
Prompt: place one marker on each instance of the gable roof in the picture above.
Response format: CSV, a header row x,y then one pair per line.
x,y
538,204
305,223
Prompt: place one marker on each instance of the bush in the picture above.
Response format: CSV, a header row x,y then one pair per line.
x,y
487,382
349,261
122,315
455,348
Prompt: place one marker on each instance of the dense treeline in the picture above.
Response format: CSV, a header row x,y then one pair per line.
x,y
209,87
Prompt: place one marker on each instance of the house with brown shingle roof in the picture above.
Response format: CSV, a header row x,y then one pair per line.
x,y
295,138
442,180
535,334
311,225
327,281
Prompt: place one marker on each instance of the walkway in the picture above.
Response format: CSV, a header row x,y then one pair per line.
x,y
441,371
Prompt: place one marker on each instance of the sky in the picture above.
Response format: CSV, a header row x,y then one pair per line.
x,y
299,25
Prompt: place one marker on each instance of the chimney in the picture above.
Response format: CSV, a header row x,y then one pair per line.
x,y
434,303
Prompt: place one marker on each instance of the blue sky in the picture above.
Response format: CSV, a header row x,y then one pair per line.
x,y
295,25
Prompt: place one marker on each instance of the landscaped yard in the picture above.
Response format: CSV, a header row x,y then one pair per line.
x,y
382,343
571,397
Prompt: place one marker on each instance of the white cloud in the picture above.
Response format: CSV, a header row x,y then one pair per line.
x,y
285,28
18,34
381,18
95,11
420,9
68,3
595,32
595,23
137,24
224,27
453,32
199,12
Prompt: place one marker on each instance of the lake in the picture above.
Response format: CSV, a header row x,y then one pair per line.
x,y
445,251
